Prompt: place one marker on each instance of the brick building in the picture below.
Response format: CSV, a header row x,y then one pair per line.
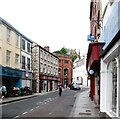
x,y
65,69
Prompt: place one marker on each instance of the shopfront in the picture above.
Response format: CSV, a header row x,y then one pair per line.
x,y
11,78
93,69
27,79
48,83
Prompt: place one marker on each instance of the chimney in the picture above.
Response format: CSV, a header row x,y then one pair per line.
x,y
47,48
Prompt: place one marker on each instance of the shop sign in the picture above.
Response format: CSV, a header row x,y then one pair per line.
x,y
11,72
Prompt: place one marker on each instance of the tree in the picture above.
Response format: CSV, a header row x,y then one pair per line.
x,y
74,57
63,51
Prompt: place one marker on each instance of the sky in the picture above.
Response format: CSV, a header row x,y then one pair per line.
x,y
54,23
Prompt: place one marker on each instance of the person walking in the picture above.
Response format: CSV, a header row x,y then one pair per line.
x,y
3,91
60,90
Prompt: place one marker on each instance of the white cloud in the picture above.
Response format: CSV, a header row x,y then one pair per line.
x,y
56,23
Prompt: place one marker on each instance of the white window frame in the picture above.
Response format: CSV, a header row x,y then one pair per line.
x,y
8,57
16,59
16,40
8,35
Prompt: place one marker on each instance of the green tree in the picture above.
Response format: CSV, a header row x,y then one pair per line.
x,y
74,57
63,51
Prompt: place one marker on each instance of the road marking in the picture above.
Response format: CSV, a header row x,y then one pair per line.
x,y
25,113
50,113
15,117
31,110
37,107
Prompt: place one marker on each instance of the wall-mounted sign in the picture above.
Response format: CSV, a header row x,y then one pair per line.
x,y
90,37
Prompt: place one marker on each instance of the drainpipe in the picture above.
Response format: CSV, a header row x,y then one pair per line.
x,y
118,85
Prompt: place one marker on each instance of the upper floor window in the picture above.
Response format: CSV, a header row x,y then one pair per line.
x,y
59,61
28,63
8,57
66,61
23,44
16,60
8,34
23,62
41,54
28,47
17,40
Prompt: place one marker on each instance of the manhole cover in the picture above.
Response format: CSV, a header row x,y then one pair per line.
x,y
83,113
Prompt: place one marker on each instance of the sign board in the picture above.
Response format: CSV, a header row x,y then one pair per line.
x,y
90,38
91,72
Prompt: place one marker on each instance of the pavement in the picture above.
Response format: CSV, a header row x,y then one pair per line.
x,y
83,106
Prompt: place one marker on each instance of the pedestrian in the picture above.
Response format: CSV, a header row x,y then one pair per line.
x,y
60,90
4,91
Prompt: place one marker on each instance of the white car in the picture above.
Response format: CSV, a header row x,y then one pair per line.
x,y
75,86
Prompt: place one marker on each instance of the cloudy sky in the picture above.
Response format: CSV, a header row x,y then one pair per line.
x,y
54,23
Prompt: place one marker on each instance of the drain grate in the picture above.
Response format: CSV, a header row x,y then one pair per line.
x,y
70,105
88,111
83,113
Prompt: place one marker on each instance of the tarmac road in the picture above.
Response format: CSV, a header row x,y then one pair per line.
x,y
48,105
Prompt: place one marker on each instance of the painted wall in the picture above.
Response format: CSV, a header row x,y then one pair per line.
x,y
4,45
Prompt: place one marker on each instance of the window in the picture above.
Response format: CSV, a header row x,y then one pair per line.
x,y
65,72
8,35
16,60
66,61
23,62
17,40
41,54
23,44
114,85
28,63
59,61
28,47
8,57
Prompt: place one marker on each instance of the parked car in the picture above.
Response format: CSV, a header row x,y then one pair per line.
x,y
75,86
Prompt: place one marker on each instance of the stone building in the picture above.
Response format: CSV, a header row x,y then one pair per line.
x,y
45,69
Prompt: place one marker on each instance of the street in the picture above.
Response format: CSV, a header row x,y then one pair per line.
x,y
48,105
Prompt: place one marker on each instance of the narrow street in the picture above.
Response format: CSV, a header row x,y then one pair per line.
x,y
48,105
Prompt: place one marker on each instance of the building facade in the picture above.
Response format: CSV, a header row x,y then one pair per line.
x,y
26,62
79,72
94,51
11,72
110,61
65,70
45,68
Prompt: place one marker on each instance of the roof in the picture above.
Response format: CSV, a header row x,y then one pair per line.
x,y
14,29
